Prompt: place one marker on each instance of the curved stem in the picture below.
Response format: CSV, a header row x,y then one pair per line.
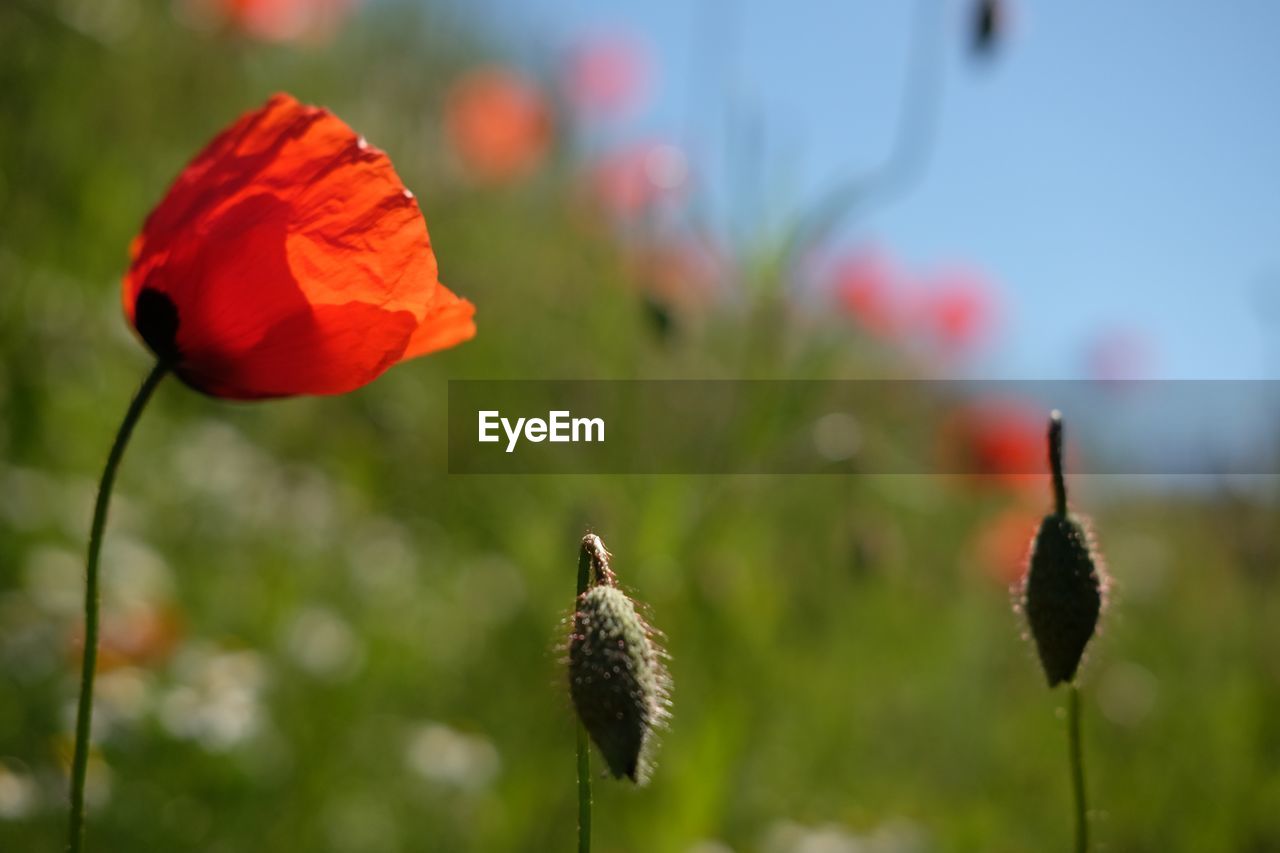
x,y
1077,769
84,710
585,555
1055,463
912,144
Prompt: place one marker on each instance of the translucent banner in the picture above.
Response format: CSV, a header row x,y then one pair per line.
x,y
1213,428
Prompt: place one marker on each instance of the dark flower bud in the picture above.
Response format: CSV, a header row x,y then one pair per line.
x,y
1062,596
1063,592
988,25
616,675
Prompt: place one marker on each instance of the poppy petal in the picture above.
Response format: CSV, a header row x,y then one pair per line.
x,y
449,322
294,259
331,350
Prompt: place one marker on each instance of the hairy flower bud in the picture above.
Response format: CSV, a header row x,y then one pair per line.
x,y
616,676
1063,592
1063,595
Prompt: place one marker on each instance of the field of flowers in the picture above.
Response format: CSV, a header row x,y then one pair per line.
x,y
315,638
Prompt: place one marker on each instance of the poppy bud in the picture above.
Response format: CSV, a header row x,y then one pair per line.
x,y
988,25
1064,586
616,676
1063,595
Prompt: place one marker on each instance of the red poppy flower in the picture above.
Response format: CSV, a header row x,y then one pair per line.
x,y
1003,544
868,285
683,271
995,442
142,635
606,76
498,124
271,20
959,309
288,258
632,181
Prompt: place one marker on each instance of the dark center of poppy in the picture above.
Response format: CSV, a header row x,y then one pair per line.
x,y
156,318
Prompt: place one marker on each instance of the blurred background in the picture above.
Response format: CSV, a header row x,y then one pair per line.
x,y
318,639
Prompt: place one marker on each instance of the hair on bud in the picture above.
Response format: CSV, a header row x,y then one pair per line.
x,y
617,679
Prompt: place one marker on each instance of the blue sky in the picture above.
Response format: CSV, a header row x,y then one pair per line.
x,y
1116,168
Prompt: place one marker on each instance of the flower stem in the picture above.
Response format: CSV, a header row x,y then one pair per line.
x,y
584,749
1077,768
84,710
1055,463
584,792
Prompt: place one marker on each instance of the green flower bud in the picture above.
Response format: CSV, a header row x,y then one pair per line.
x,y
616,675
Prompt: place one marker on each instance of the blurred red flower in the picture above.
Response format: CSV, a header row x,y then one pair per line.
x,y
630,181
866,283
288,258
273,20
948,312
1118,354
1003,543
681,271
498,124
141,635
957,309
605,76
996,442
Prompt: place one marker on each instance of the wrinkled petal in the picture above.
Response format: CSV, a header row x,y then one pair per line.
x,y
331,350
449,322
295,260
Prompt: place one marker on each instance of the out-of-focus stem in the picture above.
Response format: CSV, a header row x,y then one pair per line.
x,y
913,140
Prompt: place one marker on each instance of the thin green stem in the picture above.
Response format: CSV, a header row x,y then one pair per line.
x,y
1055,463
584,749
1077,769
89,663
1074,754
